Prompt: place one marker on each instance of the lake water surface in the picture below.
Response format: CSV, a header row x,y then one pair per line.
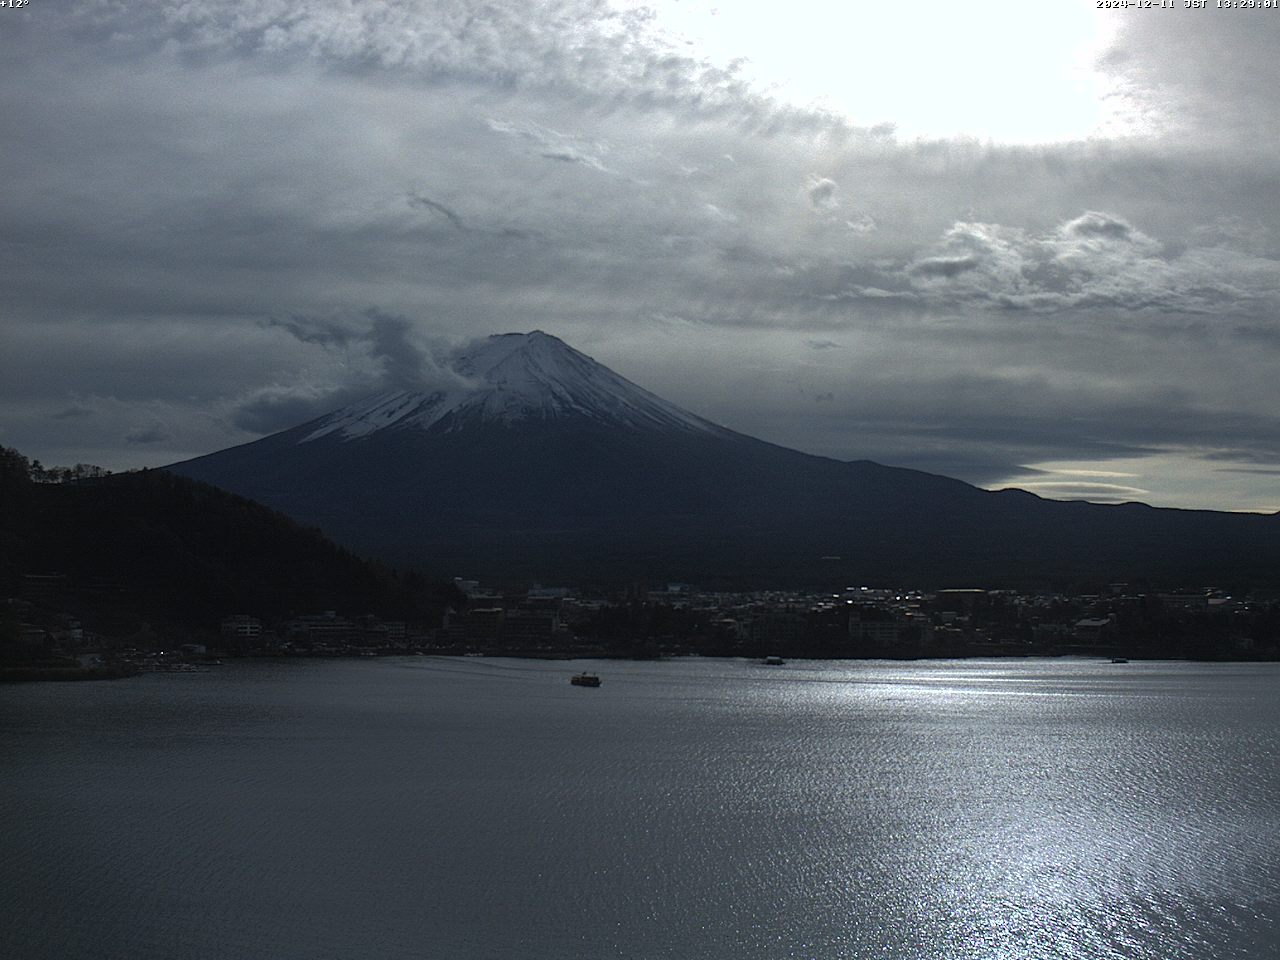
x,y
477,808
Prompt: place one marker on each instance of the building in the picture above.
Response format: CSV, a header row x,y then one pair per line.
x,y
525,627
241,629
872,628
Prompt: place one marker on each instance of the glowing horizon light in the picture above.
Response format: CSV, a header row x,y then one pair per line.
x,y
1166,479
1002,71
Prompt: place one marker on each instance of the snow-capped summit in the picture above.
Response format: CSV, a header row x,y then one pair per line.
x,y
513,377
530,461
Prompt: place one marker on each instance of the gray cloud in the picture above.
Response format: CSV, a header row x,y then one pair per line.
x,y
551,144
1202,76
1258,455
153,433
822,193
314,330
404,363
1092,261
426,203
861,224
203,201
1093,224
274,409
945,266
578,44
397,358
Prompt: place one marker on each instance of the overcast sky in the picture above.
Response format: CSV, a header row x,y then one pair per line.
x,y
1032,247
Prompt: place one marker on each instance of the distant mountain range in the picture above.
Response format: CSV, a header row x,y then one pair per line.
x,y
537,463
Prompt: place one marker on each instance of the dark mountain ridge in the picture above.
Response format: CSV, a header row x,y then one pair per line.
x,y
543,465
162,549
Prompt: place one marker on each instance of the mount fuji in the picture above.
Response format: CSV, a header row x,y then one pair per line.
x,y
512,378
535,462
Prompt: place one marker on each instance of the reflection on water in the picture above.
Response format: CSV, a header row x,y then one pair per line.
x,y
485,808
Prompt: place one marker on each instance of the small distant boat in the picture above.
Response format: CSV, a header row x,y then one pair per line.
x,y
1119,660
774,661
585,680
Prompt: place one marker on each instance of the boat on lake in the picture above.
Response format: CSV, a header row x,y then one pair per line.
x,y
585,680
774,661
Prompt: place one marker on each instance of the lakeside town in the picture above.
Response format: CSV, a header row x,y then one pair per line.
x,y
676,619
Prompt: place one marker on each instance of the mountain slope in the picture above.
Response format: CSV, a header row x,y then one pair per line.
x,y
513,378
538,463
163,549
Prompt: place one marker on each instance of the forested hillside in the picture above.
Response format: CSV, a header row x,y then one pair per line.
x,y
152,547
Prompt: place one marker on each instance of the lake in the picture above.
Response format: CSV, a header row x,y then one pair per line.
x,y
469,808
